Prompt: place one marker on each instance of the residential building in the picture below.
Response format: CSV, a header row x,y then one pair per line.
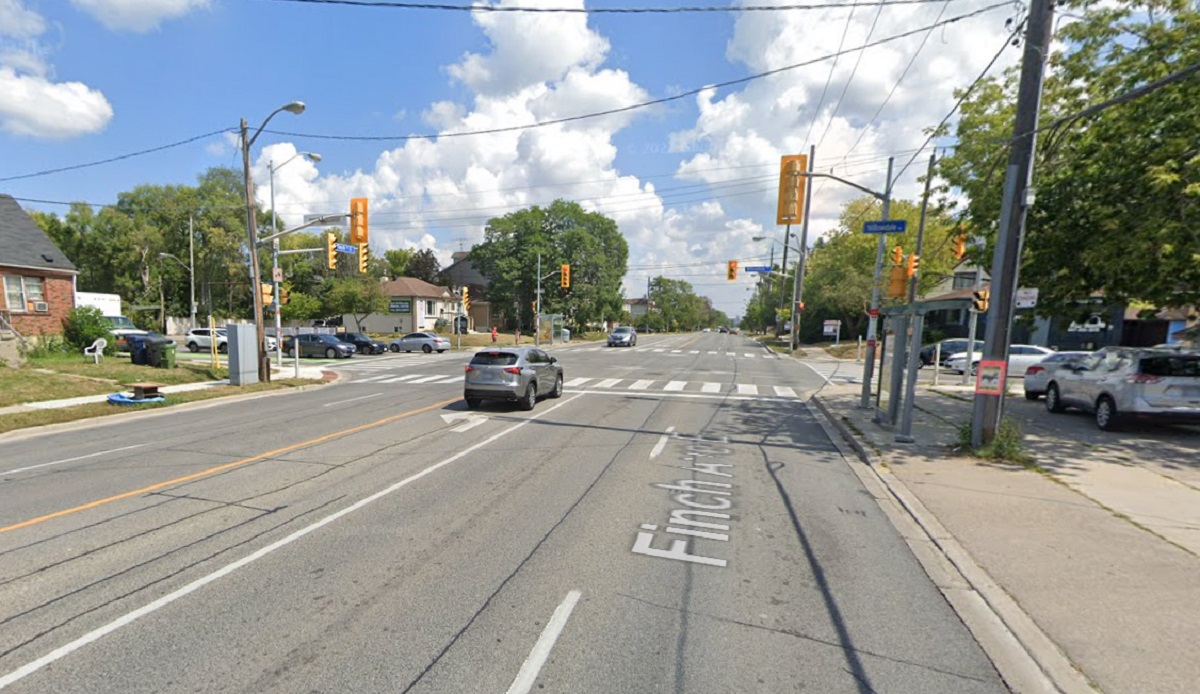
x,y
37,278
462,273
413,305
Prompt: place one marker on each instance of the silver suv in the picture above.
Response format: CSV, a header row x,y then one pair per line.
x,y
1116,383
512,373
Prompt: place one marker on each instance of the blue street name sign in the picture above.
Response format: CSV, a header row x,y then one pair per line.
x,y
895,226
345,248
756,268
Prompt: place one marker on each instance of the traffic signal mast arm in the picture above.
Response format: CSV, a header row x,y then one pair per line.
x,y
315,222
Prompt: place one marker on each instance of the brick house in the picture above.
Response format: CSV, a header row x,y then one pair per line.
x,y
37,278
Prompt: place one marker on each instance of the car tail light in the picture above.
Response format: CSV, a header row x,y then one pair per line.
x,y
1034,370
470,368
1142,378
512,370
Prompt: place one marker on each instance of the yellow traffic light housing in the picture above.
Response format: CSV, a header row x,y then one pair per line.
x,y
565,276
914,262
731,271
790,207
268,293
960,246
331,249
364,257
466,299
897,255
897,283
358,221
285,295
982,300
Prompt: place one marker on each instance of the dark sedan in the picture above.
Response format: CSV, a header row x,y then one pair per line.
x,y
326,346
362,343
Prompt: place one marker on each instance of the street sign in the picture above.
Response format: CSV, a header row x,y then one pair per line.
x,y
756,268
1027,297
895,226
346,248
831,327
277,274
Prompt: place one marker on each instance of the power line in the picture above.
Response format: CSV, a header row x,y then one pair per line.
x,y
119,157
644,104
828,79
853,72
392,5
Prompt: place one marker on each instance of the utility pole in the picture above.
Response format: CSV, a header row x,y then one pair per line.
x,y
537,318
647,305
1017,200
192,269
918,320
275,274
873,320
264,371
798,280
787,234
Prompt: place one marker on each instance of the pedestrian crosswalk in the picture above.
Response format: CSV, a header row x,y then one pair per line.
x,y
612,384
386,362
837,371
668,352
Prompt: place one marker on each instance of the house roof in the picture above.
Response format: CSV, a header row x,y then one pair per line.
x,y
24,244
411,286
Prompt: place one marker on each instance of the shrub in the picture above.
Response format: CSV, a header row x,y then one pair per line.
x,y
42,346
84,325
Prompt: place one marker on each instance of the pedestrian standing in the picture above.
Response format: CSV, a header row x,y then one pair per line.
x,y
494,334
518,337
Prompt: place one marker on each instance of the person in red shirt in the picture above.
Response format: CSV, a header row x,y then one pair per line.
x,y
494,334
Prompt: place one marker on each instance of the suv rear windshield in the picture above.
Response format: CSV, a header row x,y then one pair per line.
x,y
494,359
1171,366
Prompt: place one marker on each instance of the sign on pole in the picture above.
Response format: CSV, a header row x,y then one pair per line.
x,y
1027,297
756,268
831,327
893,226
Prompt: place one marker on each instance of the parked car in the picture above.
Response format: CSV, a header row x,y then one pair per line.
x,y
426,342
1020,358
622,336
521,374
326,346
1038,375
948,349
201,338
362,343
1119,383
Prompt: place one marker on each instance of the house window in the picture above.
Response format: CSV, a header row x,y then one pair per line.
x,y
18,291
429,309
962,280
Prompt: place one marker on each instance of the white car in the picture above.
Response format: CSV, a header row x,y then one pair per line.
x,y
1038,375
201,338
1020,358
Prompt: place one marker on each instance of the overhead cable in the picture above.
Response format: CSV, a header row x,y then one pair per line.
x,y
391,5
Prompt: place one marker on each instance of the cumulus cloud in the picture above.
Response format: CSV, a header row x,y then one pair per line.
x,y
137,15
32,105
18,21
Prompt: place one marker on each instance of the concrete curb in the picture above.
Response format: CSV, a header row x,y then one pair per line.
x,y
1022,653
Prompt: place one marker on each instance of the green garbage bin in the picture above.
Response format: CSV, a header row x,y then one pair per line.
x,y
168,356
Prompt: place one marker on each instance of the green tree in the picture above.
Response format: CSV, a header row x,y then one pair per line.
x,y
357,296
423,265
302,307
1118,193
397,260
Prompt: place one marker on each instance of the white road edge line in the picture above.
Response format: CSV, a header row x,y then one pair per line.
x,y
71,460
662,443
342,402
814,370
130,617
541,650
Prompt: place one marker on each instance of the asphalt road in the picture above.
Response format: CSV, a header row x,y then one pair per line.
x,y
676,522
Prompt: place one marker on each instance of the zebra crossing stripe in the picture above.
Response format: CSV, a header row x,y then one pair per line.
x,y
712,351
429,379
659,350
398,379
784,391
748,355
576,382
607,383
640,385
675,385
676,351
693,351
710,387
747,389
369,379
449,379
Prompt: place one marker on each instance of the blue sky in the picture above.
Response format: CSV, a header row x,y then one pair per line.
x,y
689,182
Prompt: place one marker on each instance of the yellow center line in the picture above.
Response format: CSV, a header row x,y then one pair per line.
x,y
689,342
220,468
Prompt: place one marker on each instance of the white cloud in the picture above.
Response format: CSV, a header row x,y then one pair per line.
x,y
32,105
137,15
20,22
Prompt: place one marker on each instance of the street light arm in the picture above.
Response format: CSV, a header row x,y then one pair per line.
x,y
293,107
322,220
852,184
164,254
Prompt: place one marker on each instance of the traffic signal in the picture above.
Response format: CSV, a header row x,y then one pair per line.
x,y
914,261
898,282
364,257
284,296
466,299
565,276
897,255
960,246
981,300
731,271
358,221
268,293
790,207
331,249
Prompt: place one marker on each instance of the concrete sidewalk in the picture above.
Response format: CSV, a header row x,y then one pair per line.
x,y
1089,556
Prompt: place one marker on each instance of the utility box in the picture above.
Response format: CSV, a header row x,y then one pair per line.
x,y
243,353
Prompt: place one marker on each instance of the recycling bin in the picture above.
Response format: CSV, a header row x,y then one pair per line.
x,y
137,349
168,355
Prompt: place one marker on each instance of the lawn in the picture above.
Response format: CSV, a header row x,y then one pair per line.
x,y
69,376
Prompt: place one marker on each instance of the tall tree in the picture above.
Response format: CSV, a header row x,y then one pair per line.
x,y
397,260
424,265
357,296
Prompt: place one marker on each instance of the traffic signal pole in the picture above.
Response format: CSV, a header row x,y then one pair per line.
x,y
873,320
989,409
798,280
918,322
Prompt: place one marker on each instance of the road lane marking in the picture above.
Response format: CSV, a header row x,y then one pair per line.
x,y
401,378
130,617
676,351
748,355
785,392
71,460
607,383
692,396
662,443
428,379
342,402
712,351
710,387
747,389
659,350
541,650
693,351
369,379
219,468
576,382
675,385
449,379
641,385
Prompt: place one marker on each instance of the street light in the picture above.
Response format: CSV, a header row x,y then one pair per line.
x,y
297,107
313,157
191,279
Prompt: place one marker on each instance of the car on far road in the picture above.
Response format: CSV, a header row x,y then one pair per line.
x,y
521,374
201,338
326,346
722,329
362,343
949,348
622,336
1020,358
1119,383
426,342
1038,375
